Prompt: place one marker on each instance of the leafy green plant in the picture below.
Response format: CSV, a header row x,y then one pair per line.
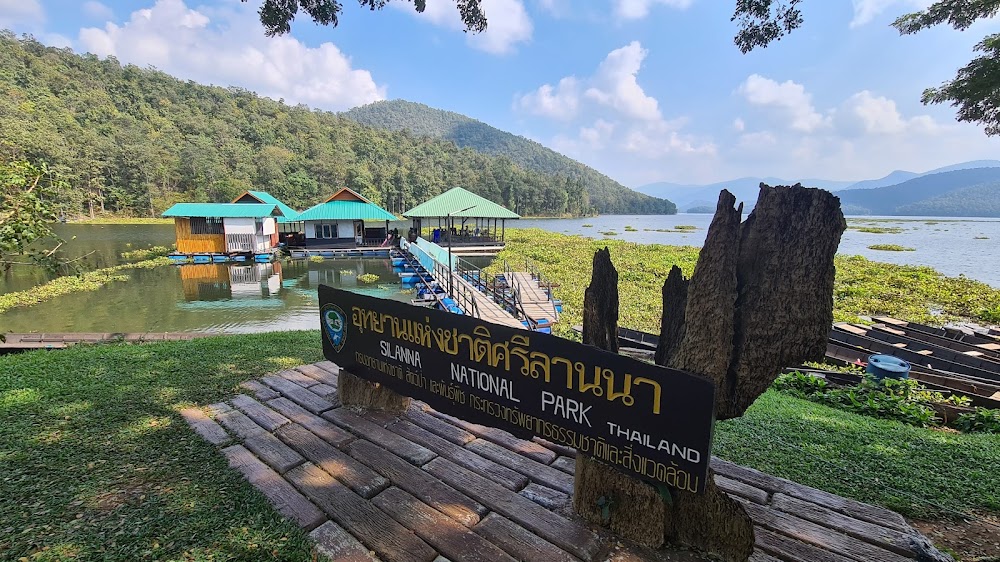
x,y
146,253
631,229
982,420
877,229
316,259
685,227
348,272
368,278
587,226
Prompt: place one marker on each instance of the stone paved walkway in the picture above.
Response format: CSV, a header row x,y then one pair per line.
x,y
426,487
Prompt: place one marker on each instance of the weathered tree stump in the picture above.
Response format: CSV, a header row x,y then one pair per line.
x,y
761,298
356,391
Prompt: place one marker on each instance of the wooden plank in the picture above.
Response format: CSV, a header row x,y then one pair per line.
x,y
297,378
735,487
286,499
259,413
761,556
439,427
265,445
325,391
500,474
317,374
324,429
565,464
791,550
443,533
401,446
889,539
534,470
297,394
817,535
428,489
519,542
853,508
559,449
260,391
568,535
217,408
333,542
545,497
358,477
391,541
329,366
204,426
528,448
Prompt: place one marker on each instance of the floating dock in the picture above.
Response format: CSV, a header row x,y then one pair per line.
x,y
49,340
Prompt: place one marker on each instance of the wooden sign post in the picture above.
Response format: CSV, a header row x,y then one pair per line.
x,y
652,422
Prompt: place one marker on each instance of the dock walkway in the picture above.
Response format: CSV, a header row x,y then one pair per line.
x,y
488,309
535,301
424,485
49,340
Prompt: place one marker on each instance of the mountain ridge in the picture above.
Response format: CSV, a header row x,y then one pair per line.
x,y
606,194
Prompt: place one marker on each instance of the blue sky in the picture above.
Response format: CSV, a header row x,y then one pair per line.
x,y
643,90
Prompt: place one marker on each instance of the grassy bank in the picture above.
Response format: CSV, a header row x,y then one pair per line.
x,y
124,220
98,465
89,281
863,287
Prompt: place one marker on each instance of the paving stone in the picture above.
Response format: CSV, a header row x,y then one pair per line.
x,y
329,432
286,499
568,535
375,433
297,394
536,471
269,448
424,486
529,449
357,476
735,487
371,526
259,413
259,390
298,378
496,472
520,542
319,375
439,427
204,426
565,464
325,391
338,545
545,497
446,535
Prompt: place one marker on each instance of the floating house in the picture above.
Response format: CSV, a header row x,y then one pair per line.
x,y
289,228
463,219
225,228
344,220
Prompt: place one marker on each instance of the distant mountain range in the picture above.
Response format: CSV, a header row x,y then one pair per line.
x,y
971,192
606,195
745,189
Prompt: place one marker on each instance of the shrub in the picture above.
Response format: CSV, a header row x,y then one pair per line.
x,y
982,420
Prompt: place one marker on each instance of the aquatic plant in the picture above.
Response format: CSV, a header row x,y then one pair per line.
x,y
981,238
316,259
89,281
348,272
146,253
685,227
877,229
587,226
890,248
368,278
631,229
609,233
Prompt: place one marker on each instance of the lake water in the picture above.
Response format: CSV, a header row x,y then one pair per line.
x,y
282,296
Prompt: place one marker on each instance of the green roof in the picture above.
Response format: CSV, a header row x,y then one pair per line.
x,y
223,210
288,213
345,210
458,202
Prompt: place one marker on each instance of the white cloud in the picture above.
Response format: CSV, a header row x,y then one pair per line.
x,y
867,10
98,11
739,125
638,9
507,22
56,40
598,135
867,113
788,97
230,48
20,12
758,140
559,102
615,84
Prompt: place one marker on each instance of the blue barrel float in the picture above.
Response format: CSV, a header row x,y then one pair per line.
x,y
887,366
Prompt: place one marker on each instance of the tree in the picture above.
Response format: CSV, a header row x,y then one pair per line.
x,y
975,90
277,15
27,212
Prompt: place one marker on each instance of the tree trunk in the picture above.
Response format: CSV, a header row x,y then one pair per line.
x,y
356,391
761,298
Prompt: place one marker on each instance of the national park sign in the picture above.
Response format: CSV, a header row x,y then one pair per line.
x,y
646,420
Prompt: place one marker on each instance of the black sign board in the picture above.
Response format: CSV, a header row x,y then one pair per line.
x,y
653,422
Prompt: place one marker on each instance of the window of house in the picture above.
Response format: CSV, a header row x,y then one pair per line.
x,y
206,225
327,231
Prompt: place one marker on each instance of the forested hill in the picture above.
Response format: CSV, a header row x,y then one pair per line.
x,y
135,141
606,194
971,193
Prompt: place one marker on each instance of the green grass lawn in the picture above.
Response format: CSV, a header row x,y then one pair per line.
x,y
98,465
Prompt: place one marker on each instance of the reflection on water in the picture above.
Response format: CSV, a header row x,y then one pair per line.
x,y
234,298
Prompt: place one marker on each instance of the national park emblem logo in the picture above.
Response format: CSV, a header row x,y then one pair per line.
x,y
334,326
